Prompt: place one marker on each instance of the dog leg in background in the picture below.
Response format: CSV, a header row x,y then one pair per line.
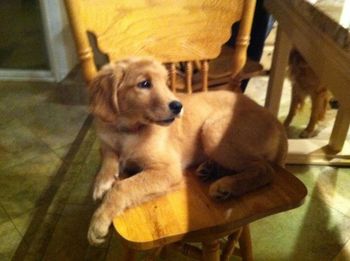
x,y
108,173
296,103
129,192
318,110
252,177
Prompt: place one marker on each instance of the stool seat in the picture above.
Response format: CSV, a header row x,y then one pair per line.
x,y
188,212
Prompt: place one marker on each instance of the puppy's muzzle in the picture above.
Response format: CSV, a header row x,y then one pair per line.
x,y
175,107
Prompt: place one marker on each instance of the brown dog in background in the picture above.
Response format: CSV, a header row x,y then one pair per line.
x,y
306,83
142,132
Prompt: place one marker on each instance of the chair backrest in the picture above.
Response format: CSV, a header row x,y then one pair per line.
x,y
168,30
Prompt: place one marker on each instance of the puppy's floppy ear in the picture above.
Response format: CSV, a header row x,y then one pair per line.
x,y
103,92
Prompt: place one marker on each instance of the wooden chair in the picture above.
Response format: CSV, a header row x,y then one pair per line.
x,y
171,31
181,31
190,215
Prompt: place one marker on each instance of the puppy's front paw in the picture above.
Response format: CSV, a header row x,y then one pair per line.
x,y
220,189
102,185
98,228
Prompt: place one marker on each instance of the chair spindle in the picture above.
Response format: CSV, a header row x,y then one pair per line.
x,y
230,245
189,70
204,70
173,77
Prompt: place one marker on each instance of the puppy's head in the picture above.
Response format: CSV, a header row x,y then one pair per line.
x,y
135,89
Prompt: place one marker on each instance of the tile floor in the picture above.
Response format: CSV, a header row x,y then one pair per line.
x,y
49,156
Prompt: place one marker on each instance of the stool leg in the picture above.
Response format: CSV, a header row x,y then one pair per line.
x,y
245,244
129,254
211,250
164,252
229,248
153,255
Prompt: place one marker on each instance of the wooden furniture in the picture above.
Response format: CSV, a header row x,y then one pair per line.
x,y
170,31
219,73
188,214
181,31
324,44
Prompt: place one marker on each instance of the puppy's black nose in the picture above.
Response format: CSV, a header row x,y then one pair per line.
x,y
175,107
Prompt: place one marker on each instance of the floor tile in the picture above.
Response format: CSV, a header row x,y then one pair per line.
x,y
3,215
8,243
344,254
115,249
329,184
4,118
69,240
38,229
18,144
17,97
55,124
312,232
49,118
78,177
9,238
24,186
62,151
82,191
29,257
95,254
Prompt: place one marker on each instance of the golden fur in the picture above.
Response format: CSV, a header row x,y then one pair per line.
x,y
306,83
138,131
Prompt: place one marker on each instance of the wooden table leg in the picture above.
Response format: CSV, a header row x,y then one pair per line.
x,y
278,71
245,244
129,254
340,129
211,250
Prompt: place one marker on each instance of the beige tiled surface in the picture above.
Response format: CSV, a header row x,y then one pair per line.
x,y
36,133
316,231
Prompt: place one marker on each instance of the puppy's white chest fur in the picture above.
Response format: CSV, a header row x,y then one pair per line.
x,y
137,146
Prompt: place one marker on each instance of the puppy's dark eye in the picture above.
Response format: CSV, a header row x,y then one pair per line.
x,y
145,84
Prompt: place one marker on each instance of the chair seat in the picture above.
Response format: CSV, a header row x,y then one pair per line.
x,y
189,211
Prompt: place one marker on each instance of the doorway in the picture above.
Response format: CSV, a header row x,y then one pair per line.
x,y
36,42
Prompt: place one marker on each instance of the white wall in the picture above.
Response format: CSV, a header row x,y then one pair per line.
x,y
59,40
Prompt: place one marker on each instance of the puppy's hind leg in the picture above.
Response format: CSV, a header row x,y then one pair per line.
x,y
254,175
210,170
237,148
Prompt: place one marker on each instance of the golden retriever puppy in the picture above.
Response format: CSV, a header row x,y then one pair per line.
x,y
306,83
148,131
